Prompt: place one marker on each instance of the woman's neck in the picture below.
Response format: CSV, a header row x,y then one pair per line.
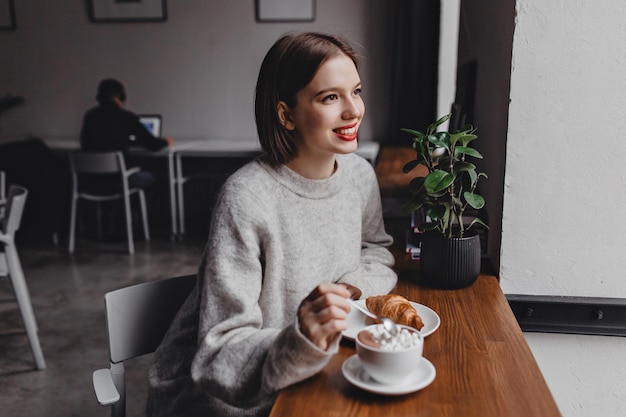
x,y
314,169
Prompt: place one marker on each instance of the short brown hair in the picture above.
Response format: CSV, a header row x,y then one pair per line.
x,y
108,89
289,65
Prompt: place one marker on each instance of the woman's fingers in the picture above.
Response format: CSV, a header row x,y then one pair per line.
x,y
328,288
323,313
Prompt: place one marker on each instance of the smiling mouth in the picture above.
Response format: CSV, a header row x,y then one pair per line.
x,y
346,133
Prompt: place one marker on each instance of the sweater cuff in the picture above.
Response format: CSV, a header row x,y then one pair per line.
x,y
332,348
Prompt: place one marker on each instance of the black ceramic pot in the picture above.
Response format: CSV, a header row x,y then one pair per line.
x,y
449,263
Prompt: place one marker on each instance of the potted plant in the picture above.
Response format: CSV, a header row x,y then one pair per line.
x,y
450,245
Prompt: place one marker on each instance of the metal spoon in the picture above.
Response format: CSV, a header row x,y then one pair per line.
x,y
388,324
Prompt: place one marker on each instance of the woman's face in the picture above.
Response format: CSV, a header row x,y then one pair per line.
x,y
328,110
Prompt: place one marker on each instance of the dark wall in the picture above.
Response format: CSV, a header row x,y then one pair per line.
x,y
486,42
413,65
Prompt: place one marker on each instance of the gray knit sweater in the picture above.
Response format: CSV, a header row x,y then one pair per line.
x,y
274,236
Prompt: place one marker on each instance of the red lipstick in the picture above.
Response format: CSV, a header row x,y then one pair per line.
x,y
347,133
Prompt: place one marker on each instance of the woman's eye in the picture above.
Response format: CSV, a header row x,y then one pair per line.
x,y
330,97
358,91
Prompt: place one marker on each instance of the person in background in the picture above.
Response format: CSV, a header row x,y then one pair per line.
x,y
294,234
110,127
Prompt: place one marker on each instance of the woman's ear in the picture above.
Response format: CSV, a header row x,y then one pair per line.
x,y
284,115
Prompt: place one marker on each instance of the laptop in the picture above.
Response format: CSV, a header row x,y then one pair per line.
x,y
153,123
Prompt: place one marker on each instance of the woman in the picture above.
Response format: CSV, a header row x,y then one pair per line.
x,y
294,233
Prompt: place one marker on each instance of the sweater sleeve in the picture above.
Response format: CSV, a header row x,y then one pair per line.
x,y
375,275
238,360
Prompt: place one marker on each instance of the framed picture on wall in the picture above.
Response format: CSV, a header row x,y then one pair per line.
x,y
285,10
7,15
108,11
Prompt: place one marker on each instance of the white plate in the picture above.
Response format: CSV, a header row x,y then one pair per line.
x,y
358,320
353,371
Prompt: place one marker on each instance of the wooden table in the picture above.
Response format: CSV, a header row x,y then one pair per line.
x,y
484,365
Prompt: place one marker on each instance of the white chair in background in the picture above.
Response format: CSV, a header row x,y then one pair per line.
x,y
137,318
11,267
105,163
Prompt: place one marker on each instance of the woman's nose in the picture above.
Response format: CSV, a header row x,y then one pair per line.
x,y
354,108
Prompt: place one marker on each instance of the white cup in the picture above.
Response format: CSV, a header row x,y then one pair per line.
x,y
388,366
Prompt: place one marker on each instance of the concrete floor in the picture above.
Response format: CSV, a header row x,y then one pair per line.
x,y
67,296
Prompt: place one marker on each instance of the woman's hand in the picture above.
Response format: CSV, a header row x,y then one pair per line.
x,y
322,314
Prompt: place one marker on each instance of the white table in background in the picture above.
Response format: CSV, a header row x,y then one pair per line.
x,y
197,147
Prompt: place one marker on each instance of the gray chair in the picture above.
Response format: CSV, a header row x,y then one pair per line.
x,y
10,267
137,318
105,163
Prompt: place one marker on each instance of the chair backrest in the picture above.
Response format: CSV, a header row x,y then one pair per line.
x,y
138,316
82,162
3,194
16,199
3,191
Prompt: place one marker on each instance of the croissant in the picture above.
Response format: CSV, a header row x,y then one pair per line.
x,y
396,307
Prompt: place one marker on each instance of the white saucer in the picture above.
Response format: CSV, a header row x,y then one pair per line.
x,y
358,320
356,375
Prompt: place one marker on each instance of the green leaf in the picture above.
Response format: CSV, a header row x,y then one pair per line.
x,y
465,139
408,167
416,133
427,227
464,150
447,214
448,190
476,220
454,138
443,160
438,195
440,140
424,152
416,184
442,120
410,207
437,181
433,127
436,212
474,200
473,176
464,167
